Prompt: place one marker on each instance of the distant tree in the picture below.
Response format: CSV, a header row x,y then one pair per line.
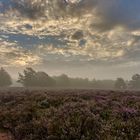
x,y
103,84
43,79
5,78
120,83
31,78
135,82
28,78
80,82
62,80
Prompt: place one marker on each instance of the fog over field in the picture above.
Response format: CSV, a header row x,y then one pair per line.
x,y
81,38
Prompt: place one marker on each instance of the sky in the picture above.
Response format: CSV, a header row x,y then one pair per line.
x,y
82,38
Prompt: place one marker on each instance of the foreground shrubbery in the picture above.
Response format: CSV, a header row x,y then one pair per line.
x,y
70,115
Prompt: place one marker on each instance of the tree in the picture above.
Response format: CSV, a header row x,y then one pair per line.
x,y
28,78
31,78
62,80
43,79
135,82
5,78
120,83
103,84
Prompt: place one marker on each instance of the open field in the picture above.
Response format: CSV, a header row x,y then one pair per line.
x,y
41,114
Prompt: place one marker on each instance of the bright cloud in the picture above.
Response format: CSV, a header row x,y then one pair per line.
x,y
12,55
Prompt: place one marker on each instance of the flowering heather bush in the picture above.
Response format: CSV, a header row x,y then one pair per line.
x,y
70,114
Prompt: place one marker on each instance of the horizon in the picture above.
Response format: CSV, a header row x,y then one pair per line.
x,y
15,75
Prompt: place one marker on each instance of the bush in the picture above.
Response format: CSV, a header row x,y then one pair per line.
x,y
66,115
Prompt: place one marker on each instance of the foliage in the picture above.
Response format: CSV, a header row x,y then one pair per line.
x,y
5,79
31,78
70,114
62,80
120,83
135,82
65,81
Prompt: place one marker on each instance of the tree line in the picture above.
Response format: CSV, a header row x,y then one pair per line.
x,y
31,78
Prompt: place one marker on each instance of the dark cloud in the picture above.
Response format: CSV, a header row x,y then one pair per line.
x,y
114,13
136,39
29,9
78,35
111,13
53,8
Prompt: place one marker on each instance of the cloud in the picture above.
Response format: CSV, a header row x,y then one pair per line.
x,y
95,32
77,35
12,55
109,13
49,9
114,13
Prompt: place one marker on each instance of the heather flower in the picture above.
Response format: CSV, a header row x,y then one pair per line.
x,y
128,113
70,114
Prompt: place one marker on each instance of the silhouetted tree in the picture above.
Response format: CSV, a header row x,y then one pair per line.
x,y
80,82
31,78
5,78
43,79
135,82
65,81
120,83
103,84
62,80
28,77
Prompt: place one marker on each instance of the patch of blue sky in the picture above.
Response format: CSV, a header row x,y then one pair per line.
x,y
27,41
